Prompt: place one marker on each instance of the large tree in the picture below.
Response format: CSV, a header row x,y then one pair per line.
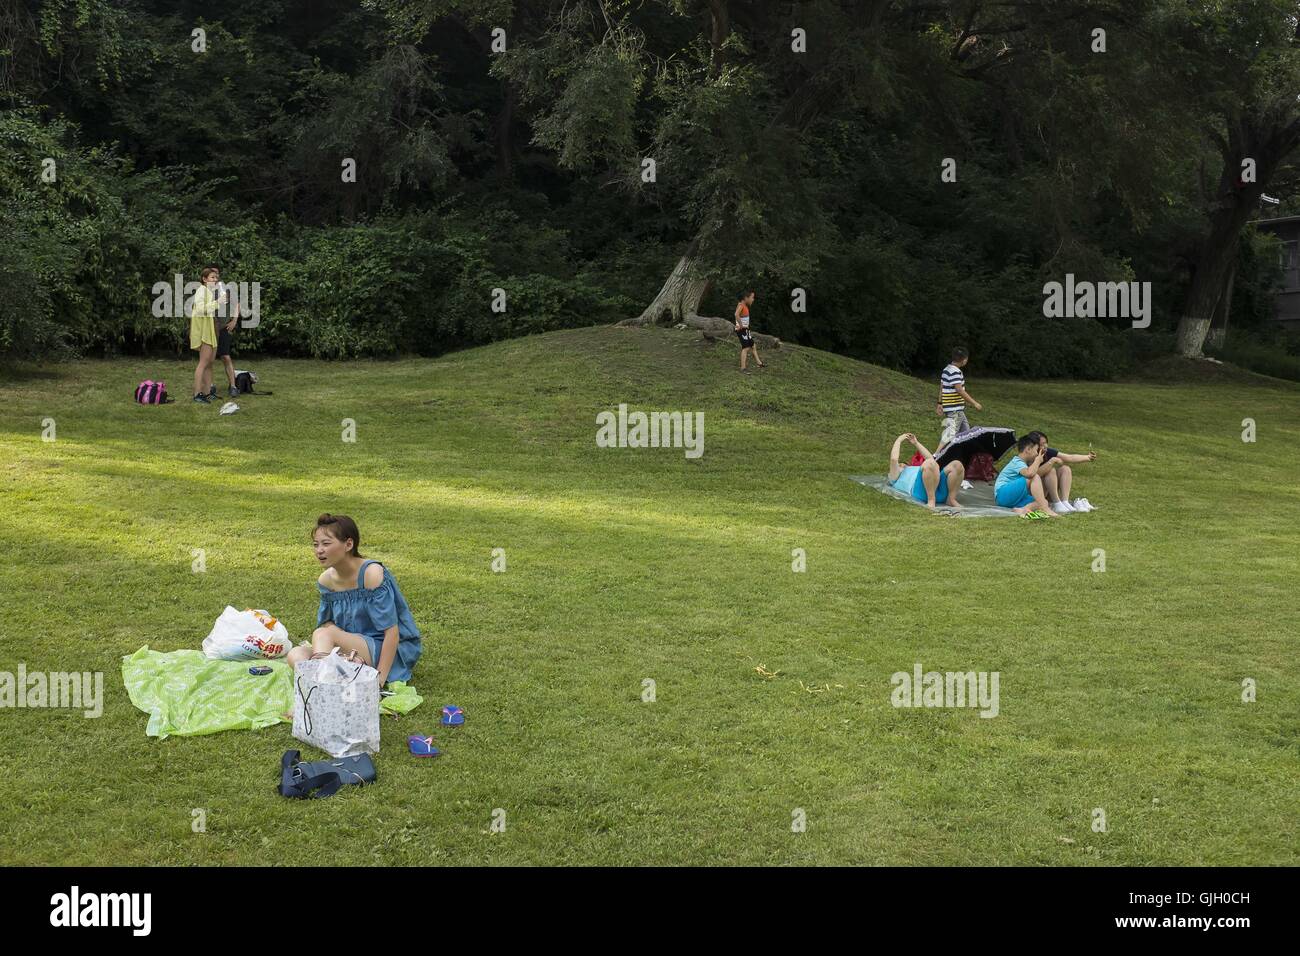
x,y
1241,59
727,114
700,107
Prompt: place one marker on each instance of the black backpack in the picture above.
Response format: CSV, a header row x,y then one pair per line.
x,y
244,382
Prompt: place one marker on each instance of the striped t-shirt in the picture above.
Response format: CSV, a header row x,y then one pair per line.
x,y
948,383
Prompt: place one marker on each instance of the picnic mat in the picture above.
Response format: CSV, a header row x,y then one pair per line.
x,y
976,502
184,693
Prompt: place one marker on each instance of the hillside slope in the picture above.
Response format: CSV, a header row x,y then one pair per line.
x,y
772,689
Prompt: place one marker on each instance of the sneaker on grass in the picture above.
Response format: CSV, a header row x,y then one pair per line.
x,y
1062,507
202,399
1083,504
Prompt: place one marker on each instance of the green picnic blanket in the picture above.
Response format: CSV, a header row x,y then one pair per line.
x,y
186,694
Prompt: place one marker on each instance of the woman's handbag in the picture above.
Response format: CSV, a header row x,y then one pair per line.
x,y
322,778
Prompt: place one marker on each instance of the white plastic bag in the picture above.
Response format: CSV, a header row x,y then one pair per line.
x,y
336,705
246,635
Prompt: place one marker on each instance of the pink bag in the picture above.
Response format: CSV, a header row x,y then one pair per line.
x,y
150,392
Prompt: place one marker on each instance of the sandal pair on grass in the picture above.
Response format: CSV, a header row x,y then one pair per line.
x,y
452,716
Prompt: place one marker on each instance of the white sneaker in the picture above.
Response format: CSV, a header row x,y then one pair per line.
x,y
1083,504
1062,507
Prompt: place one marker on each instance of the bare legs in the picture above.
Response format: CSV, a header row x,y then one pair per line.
x,y
1057,481
203,371
956,473
1040,499
324,639
930,480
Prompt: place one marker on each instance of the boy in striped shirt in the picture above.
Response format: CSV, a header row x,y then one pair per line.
x,y
953,397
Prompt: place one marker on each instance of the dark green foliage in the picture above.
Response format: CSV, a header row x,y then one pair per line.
x,y
521,171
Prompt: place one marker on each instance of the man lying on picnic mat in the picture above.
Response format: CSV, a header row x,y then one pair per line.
x,y
926,482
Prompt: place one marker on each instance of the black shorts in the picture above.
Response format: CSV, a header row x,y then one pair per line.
x,y
746,339
223,341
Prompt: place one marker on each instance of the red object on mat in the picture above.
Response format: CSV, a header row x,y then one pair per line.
x,y
980,468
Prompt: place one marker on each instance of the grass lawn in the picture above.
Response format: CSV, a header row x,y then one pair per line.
x,y
1118,690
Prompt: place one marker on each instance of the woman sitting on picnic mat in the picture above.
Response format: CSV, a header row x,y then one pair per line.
x,y
1058,476
925,482
362,611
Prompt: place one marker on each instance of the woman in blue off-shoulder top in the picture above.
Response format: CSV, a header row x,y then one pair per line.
x,y
362,610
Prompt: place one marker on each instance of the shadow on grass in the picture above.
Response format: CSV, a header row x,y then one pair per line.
x,y
10,374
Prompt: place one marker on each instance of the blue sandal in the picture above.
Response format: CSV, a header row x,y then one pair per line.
x,y
422,746
452,716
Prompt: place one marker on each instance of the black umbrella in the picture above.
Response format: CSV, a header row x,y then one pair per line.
x,y
971,442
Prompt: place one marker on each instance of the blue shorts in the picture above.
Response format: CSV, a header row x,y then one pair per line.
x,y
1014,494
909,479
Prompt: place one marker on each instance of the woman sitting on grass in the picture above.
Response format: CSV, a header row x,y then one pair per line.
x,y
925,482
362,610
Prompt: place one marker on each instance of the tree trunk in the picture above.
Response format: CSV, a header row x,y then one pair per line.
x,y
1269,143
1216,260
684,288
719,26
1219,324
680,295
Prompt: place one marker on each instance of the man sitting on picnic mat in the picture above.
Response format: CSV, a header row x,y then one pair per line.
x,y
926,482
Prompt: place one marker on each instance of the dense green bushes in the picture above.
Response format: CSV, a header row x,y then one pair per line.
x,y
516,181
86,251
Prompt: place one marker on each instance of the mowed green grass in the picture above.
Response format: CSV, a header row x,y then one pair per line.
x,y
1119,690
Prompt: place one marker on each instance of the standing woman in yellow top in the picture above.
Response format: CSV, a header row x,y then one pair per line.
x,y
203,332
